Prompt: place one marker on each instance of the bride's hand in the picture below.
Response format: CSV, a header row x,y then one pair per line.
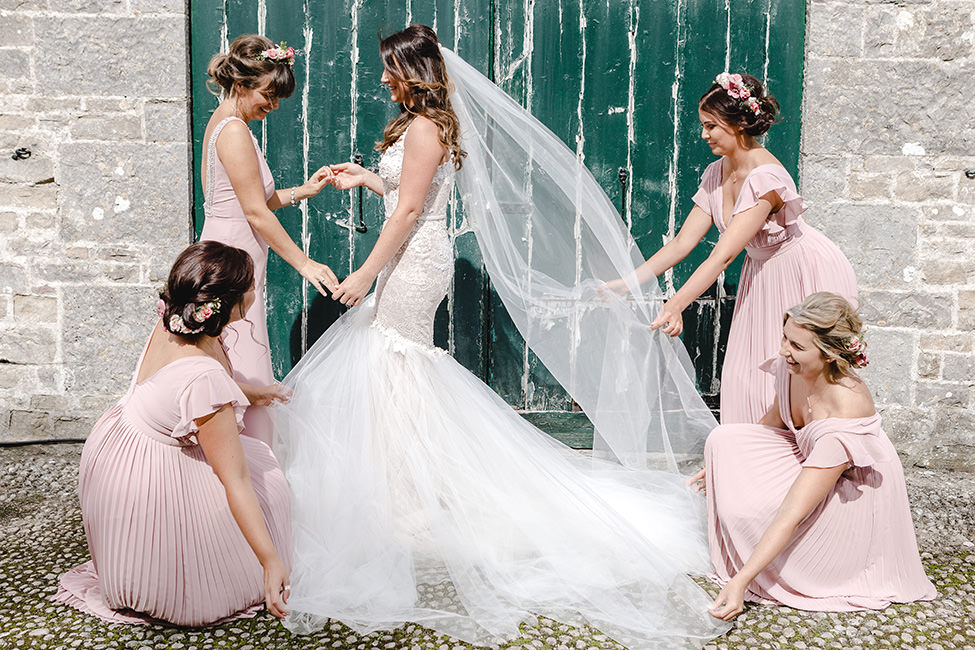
x,y
347,175
697,482
353,289
670,318
730,601
319,276
277,588
266,395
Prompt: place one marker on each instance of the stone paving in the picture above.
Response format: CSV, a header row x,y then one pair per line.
x,y
41,536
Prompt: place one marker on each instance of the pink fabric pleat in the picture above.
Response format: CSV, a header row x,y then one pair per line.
x,y
786,261
855,551
164,544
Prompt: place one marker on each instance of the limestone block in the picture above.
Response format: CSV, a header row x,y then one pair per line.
x,y
103,343
835,29
124,192
66,427
929,365
918,186
870,186
35,169
906,309
107,127
880,241
40,220
960,368
16,64
16,31
890,365
948,271
30,425
822,179
932,394
167,122
9,221
886,164
841,111
36,309
65,272
16,124
966,191
949,211
14,375
123,273
145,56
13,278
92,6
141,7
966,311
26,5
30,197
948,342
958,427
28,345
911,430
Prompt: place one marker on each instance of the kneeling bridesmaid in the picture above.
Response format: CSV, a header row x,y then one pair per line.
x,y
808,508
187,521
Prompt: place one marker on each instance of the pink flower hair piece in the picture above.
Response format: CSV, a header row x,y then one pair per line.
x,y
279,54
734,85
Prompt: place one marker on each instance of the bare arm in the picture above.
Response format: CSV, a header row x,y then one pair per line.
x,y
810,488
422,155
319,179
349,175
740,231
236,148
220,442
773,418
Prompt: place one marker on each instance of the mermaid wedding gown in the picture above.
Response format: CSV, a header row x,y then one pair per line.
x,y
419,495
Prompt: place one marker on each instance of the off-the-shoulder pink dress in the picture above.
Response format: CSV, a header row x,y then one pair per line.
x,y
855,551
245,341
786,261
163,542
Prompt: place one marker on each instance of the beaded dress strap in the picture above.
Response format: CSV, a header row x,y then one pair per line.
x,y
212,160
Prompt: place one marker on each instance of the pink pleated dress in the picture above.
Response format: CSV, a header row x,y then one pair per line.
x,y
164,544
245,341
855,551
786,261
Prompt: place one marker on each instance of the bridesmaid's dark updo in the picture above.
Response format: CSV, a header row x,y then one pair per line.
x,y
735,112
205,272
242,66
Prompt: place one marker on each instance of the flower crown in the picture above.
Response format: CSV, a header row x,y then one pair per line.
x,y
279,54
735,86
858,347
202,313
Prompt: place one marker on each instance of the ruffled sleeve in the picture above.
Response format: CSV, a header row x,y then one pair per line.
x,y
710,179
206,393
860,442
772,178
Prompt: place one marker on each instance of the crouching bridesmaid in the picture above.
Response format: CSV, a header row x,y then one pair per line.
x,y
187,522
809,508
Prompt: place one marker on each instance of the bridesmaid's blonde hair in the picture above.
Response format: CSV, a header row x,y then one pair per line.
x,y
838,331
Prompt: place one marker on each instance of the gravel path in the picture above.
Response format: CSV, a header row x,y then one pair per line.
x,y
41,537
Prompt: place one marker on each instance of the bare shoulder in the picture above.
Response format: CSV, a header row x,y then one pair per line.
x,y
234,132
423,137
850,398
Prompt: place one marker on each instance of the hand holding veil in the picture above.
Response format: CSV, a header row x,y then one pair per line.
x,y
550,238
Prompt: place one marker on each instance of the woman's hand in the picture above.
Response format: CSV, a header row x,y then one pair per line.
x,y
277,588
730,601
670,318
697,482
323,176
319,276
354,288
266,395
617,286
348,175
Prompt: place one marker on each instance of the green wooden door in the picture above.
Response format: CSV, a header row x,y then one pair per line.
x,y
617,80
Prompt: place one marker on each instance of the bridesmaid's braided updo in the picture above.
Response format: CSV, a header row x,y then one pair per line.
x,y
244,65
733,111
838,331
206,284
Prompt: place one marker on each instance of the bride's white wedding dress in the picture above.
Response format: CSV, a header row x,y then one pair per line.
x,y
420,495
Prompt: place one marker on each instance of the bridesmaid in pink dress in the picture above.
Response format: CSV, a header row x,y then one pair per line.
x,y
750,198
808,508
240,197
187,521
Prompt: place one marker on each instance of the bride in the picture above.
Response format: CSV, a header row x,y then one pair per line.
x,y
419,494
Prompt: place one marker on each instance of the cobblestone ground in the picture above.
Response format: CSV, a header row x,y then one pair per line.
x,y
41,537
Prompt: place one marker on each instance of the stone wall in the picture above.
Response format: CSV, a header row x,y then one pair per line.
x,y
97,91
888,134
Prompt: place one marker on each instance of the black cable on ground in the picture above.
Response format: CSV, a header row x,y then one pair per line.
x,y
51,441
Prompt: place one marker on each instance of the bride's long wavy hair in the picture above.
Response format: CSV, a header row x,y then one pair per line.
x,y
412,56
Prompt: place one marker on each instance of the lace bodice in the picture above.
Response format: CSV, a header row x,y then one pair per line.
x,y
412,285
390,170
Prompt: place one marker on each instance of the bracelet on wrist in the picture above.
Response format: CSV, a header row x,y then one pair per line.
x,y
294,202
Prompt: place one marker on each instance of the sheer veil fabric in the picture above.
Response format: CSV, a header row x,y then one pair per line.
x,y
550,238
